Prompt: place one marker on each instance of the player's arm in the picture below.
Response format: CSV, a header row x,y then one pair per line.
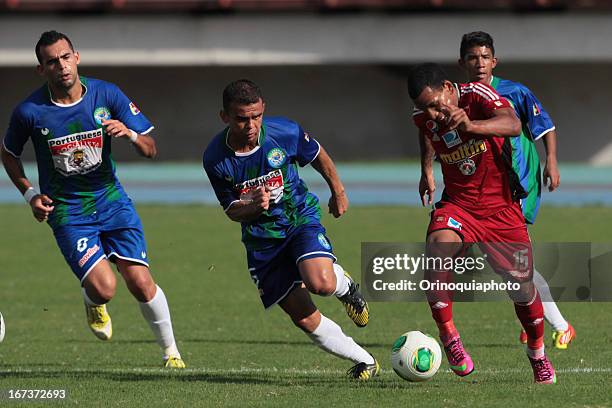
x,y
250,206
338,202
144,144
503,122
552,177
40,203
427,184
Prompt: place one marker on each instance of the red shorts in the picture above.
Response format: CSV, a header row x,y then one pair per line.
x,y
503,236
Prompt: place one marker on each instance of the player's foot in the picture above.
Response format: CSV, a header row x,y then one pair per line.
x,y
354,303
523,337
543,371
99,321
173,362
364,371
562,339
459,360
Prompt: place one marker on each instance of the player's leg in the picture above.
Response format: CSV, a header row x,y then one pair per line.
x,y
326,334
312,252
83,251
445,243
154,307
563,332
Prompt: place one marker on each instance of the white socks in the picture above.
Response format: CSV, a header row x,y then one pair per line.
x,y
157,314
551,312
329,336
342,283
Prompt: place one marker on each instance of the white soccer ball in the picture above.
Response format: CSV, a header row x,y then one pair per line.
x,y
1,328
416,356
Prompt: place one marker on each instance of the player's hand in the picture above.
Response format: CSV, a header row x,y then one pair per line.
x,y
427,187
260,197
41,207
552,178
116,128
338,204
456,118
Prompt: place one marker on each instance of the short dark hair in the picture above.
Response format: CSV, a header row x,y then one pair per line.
x,y
475,39
49,38
425,75
242,92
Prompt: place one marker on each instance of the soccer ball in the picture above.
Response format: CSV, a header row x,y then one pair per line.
x,y
416,356
1,328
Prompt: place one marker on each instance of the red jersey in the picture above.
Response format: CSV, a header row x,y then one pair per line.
x,y
475,172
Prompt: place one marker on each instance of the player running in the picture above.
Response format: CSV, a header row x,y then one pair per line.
x,y
467,126
477,58
252,166
71,121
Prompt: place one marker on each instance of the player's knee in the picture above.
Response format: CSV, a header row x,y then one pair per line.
x,y
443,243
322,285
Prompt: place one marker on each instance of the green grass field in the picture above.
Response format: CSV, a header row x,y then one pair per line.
x,y
240,355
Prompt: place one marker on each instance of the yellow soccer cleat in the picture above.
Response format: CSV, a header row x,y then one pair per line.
x,y
99,321
363,371
354,303
562,339
174,362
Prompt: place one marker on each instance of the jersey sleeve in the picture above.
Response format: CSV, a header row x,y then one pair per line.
x,y
307,148
127,112
18,132
488,99
537,119
224,190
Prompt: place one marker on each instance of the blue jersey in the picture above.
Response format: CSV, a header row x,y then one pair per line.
x,y
282,145
521,153
73,151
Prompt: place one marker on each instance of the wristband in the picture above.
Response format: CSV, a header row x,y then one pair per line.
x,y
133,136
29,194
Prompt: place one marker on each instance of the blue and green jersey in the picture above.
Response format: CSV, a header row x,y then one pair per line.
x,y
522,152
73,152
282,146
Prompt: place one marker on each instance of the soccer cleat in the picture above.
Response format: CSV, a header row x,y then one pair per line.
x,y
99,321
459,360
364,371
354,303
523,337
562,339
174,362
543,371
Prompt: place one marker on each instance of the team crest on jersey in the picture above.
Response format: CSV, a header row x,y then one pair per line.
x,y
451,138
134,109
323,241
276,157
101,114
467,167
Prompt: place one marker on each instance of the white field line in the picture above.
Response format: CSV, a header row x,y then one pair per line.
x,y
272,370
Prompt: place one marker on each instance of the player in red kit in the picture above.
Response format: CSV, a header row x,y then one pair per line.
x,y
466,125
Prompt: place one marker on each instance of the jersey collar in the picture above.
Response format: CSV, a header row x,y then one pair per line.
x,y
243,154
67,105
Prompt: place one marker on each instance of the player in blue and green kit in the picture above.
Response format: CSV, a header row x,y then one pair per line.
x,y
477,58
71,121
252,165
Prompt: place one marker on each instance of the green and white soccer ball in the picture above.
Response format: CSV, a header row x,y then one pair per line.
x,y
416,356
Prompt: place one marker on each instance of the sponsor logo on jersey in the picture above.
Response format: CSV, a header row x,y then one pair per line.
x,y
276,157
451,139
465,151
273,181
134,109
453,223
536,109
101,114
78,153
467,167
323,241
306,137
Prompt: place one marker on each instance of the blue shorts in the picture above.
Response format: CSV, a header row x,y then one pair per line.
x,y
113,232
274,269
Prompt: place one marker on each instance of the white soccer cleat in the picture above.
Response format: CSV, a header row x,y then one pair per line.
x,y
99,321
